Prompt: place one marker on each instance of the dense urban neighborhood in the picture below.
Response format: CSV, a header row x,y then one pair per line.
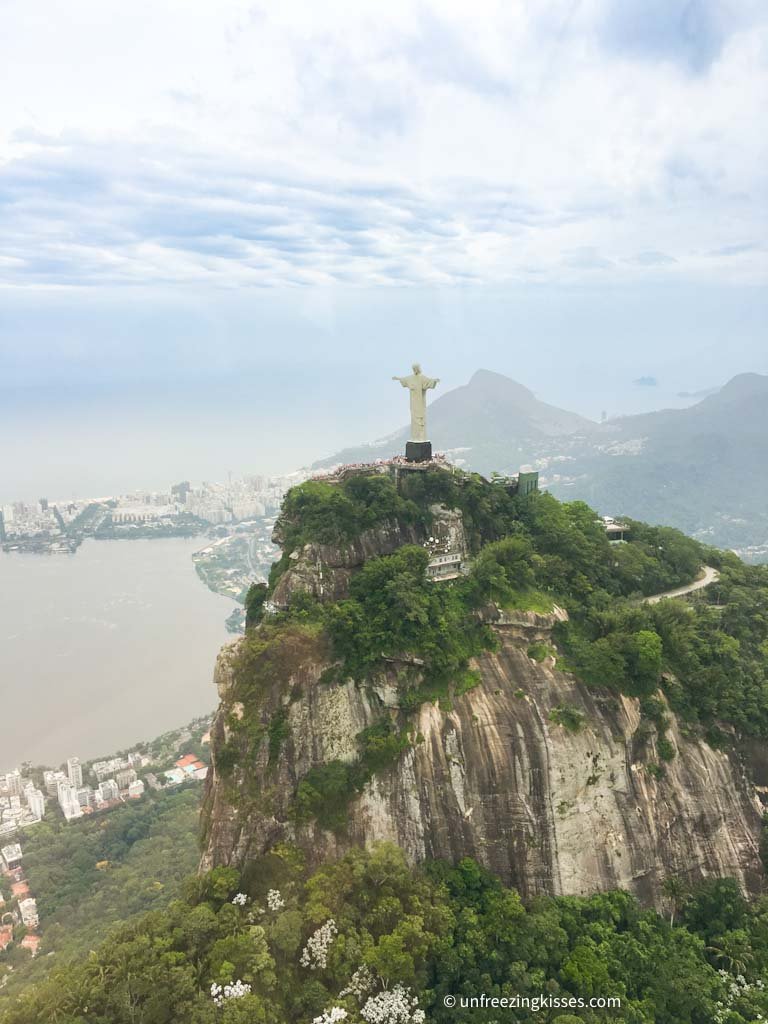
x,y
30,794
76,791
54,526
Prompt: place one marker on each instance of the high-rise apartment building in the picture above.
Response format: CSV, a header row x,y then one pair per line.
x,y
125,777
36,802
108,789
75,772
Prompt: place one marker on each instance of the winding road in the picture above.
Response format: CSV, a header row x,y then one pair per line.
x,y
709,575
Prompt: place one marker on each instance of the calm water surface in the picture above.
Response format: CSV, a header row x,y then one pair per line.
x,y
103,648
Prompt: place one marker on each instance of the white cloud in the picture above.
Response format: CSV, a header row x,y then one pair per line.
x,y
304,143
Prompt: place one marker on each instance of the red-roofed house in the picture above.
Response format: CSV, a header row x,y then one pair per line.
x,y
186,760
6,936
20,890
32,943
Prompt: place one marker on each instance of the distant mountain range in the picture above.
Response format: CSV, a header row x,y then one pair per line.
x,y
489,423
703,469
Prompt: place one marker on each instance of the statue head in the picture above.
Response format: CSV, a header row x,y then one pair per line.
x,y
416,367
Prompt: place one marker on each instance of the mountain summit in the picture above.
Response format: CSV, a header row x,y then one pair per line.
x,y
488,418
473,715
492,407
700,469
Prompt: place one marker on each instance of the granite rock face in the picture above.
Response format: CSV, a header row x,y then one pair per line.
x,y
548,809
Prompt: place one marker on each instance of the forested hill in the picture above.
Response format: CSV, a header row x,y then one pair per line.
x,y
366,701
701,469
709,653
366,937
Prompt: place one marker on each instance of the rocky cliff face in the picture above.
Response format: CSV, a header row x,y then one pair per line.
x,y
552,808
324,570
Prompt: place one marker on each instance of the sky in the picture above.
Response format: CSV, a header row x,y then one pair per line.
x,y
223,227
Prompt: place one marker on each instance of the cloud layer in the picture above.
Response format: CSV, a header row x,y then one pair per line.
x,y
363,143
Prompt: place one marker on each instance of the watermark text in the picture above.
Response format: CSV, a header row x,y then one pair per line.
x,y
535,1003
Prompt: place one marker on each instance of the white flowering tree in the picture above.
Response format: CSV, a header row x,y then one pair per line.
x,y
220,994
392,1006
275,900
367,997
360,984
332,1016
315,953
743,1000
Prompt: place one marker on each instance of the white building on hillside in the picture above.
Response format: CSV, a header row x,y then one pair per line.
x,y
108,790
28,911
104,769
125,777
51,782
11,856
35,802
68,801
12,785
75,772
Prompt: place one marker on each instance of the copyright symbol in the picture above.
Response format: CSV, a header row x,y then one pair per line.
x,y
449,1001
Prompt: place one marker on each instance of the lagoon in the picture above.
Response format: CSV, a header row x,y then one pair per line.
x,y
103,648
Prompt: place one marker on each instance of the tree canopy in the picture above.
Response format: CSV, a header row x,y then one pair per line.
x,y
369,935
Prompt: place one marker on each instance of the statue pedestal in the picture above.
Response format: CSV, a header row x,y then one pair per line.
x,y
418,451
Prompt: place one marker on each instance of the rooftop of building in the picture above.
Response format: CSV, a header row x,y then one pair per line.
x,y
185,760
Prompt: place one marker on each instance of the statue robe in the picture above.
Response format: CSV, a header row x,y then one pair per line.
x,y
418,384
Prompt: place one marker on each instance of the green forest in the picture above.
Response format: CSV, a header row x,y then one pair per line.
x,y
368,940
91,874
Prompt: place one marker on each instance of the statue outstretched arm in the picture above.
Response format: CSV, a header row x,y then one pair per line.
x,y
402,381
431,382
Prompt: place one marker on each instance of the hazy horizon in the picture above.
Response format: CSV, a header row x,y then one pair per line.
x,y
254,385
219,264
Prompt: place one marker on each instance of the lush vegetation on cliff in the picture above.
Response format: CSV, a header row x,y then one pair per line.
x,y
393,611
562,546
328,513
529,552
368,940
532,552
709,653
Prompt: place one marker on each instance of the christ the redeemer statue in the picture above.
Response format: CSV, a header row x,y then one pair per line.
x,y
419,448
